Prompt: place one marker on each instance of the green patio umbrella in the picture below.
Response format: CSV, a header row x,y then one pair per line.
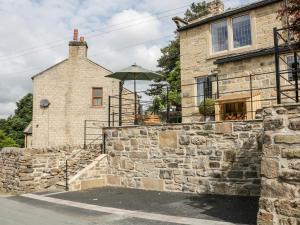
x,y
134,73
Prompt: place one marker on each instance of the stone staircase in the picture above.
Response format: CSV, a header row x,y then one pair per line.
x,y
89,176
77,162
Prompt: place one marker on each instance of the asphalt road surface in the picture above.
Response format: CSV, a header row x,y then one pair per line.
x,y
117,206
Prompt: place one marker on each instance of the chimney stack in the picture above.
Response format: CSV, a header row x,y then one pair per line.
x,y
215,7
75,35
77,49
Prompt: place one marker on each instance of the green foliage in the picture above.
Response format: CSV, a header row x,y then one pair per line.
x,y
196,10
15,124
6,141
169,63
156,105
207,107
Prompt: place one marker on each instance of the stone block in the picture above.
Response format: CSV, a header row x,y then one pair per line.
x,y
287,139
95,183
291,153
138,155
273,124
264,218
269,168
214,165
118,146
288,207
198,140
235,174
168,139
229,156
184,140
294,164
294,124
152,184
113,180
223,128
289,175
134,142
165,174
274,189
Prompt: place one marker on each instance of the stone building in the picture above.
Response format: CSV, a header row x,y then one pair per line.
x,y
67,94
232,47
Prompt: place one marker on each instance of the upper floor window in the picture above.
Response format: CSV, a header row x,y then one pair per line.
x,y
97,99
290,62
219,36
231,33
241,31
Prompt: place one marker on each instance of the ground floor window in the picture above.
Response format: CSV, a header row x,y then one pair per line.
x,y
204,88
290,61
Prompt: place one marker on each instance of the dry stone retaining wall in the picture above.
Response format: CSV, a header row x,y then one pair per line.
x,y
29,170
218,158
280,170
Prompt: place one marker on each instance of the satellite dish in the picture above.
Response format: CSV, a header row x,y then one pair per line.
x,y
44,103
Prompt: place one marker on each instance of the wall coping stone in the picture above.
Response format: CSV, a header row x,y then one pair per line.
x,y
182,124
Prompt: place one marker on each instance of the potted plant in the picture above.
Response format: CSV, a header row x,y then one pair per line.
x,y
207,109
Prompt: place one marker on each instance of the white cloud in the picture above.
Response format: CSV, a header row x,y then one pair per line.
x,y
34,35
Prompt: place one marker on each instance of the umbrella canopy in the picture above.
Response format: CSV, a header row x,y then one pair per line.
x,y
135,72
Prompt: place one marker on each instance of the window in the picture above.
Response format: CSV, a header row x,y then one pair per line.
x,y
241,31
231,33
204,88
219,36
97,99
290,61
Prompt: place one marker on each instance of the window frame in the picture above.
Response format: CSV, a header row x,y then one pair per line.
x,y
230,34
211,36
97,97
207,91
289,68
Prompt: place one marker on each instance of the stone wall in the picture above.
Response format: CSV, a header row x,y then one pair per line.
x,y
218,158
280,170
29,170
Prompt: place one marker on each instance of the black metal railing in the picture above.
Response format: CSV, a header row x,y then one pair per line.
x,y
286,42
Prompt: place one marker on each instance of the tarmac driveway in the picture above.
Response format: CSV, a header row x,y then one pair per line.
x,y
122,206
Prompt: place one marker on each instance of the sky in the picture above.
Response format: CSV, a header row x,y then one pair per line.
x,y
35,33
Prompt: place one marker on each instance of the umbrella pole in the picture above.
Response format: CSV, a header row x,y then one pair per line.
x,y
135,117
120,102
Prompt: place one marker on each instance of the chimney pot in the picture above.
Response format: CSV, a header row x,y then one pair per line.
x,y
75,36
81,39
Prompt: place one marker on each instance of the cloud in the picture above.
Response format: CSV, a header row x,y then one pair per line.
x,y
35,34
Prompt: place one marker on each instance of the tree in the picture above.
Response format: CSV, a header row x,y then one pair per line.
x,y
169,63
15,124
196,10
6,141
291,12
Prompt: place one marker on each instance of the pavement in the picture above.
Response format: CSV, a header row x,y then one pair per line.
x,y
121,206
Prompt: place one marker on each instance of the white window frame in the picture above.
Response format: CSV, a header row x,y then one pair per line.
x,y
211,36
230,34
251,31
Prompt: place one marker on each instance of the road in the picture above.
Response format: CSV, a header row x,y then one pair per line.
x,y
113,206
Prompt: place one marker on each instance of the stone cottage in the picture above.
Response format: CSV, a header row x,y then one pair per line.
x,y
229,46
67,94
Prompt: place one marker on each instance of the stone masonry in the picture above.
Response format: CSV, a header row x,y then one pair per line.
x,y
198,60
218,158
30,170
280,167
